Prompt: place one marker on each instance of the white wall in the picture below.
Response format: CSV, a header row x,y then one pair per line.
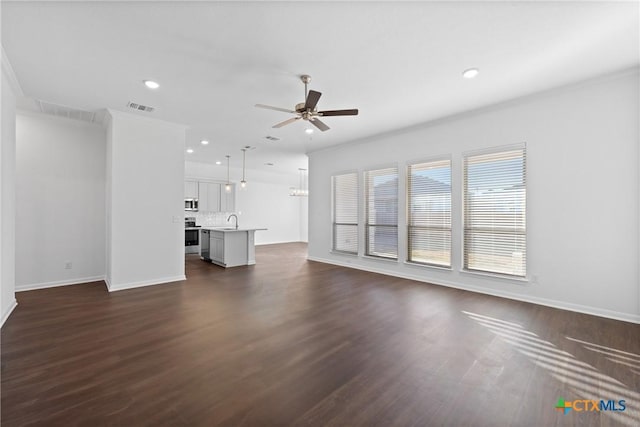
x,y
145,208
264,203
8,88
582,183
304,219
60,200
268,205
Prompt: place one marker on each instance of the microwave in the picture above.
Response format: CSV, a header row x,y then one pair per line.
x,y
190,204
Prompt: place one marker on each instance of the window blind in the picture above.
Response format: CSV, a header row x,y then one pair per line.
x,y
429,221
345,213
495,212
381,204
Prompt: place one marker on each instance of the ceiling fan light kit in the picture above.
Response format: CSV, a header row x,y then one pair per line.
x,y
307,110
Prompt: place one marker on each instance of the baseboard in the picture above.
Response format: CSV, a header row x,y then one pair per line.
x,y
279,242
7,313
121,287
594,311
54,284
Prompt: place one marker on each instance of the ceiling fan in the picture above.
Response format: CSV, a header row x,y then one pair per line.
x,y
307,110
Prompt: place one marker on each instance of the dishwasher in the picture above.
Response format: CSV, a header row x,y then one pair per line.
x,y
205,245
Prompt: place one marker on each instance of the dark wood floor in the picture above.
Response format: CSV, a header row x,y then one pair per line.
x,y
294,342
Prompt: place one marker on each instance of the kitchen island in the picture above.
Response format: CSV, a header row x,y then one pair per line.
x,y
228,246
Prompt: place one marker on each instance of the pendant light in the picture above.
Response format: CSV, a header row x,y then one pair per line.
x,y
227,186
243,183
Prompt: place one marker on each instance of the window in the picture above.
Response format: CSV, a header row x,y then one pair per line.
x,y
345,213
429,222
494,212
381,203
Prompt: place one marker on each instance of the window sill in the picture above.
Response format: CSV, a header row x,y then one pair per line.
x,y
380,258
429,266
505,277
343,253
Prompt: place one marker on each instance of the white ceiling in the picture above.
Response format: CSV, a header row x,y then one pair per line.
x,y
399,63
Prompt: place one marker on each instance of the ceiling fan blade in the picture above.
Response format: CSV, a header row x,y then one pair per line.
x,y
312,100
286,122
269,107
353,112
317,123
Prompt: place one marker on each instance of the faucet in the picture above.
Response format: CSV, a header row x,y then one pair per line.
x,y
236,217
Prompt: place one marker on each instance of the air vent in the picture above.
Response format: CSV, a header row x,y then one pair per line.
x,y
272,138
140,107
67,112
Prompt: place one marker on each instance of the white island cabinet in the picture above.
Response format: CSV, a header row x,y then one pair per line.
x,y
229,247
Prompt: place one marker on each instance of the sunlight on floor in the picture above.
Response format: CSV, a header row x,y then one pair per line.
x,y
581,377
620,357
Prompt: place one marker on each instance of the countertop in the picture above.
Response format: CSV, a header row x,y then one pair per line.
x,y
231,229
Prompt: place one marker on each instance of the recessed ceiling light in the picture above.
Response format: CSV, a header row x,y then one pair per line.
x,y
204,142
470,73
308,131
269,164
151,84
218,162
189,150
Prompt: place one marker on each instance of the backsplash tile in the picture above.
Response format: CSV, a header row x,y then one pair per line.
x,y
210,219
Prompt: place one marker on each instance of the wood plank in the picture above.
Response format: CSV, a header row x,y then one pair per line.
x,y
294,342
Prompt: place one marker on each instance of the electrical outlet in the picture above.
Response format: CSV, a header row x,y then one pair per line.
x,y
534,279
68,265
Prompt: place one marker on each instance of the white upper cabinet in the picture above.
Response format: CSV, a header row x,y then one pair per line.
x,y
191,189
212,196
209,197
